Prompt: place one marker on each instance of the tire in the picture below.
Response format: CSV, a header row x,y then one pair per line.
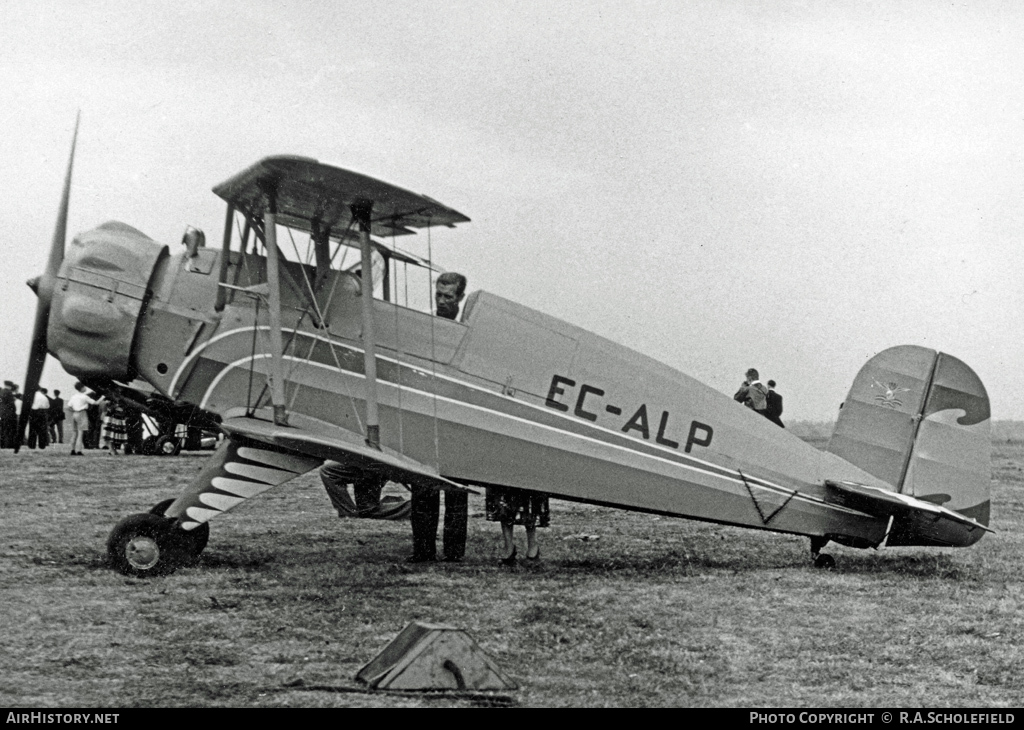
x,y
190,543
148,446
140,545
825,562
167,446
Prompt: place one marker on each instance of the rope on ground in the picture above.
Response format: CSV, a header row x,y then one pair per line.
x,y
480,699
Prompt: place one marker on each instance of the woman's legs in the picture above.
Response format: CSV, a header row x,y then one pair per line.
x,y
532,548
510,545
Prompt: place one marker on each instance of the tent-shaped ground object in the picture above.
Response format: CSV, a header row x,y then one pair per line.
x,y
433,656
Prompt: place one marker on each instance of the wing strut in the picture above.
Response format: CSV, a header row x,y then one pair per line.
x,y
274,302
361,210
225,260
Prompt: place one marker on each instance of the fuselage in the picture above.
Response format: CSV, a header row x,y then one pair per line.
x,y
506,395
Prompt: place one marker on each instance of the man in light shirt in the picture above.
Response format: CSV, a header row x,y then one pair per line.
x,y
79,404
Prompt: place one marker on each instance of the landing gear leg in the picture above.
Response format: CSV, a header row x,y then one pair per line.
x,y
189,543
821,560
154,543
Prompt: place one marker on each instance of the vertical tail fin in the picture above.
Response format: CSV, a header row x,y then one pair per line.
x,y
919,420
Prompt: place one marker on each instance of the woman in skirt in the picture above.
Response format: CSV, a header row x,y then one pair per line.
x,y
511,506
114,431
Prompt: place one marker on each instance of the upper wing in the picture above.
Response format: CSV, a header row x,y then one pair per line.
x,y
308,192
344,446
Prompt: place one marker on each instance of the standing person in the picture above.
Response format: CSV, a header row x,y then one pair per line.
x,y
114,431
79,405
510,506
8,415
39,420
426,502
56,418
132,430
92,436
774,410
753,393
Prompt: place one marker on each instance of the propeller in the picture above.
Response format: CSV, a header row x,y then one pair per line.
x,y
43,287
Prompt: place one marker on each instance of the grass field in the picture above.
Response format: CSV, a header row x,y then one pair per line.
x,y
289,601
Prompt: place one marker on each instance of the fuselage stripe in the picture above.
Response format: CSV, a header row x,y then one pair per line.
x,y
547,413
692,464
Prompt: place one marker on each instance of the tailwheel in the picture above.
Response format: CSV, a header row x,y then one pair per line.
x,y
141,545
189,543
821,560
825,561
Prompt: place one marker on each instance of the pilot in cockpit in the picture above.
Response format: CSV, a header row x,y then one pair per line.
x,y
449,291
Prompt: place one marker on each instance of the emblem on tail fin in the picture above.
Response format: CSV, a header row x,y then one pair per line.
x,y
889,399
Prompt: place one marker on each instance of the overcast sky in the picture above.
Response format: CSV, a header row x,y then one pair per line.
x,y
793,186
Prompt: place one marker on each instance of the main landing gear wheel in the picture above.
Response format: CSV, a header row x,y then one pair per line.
x,y
140,545
149,544
190,543
167,446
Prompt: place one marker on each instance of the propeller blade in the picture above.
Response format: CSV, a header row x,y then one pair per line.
x,y
56,257
43,286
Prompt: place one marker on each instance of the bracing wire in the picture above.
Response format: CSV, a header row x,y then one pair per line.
x,y
249,410
398,355
433,350
312,302
405,281
250,407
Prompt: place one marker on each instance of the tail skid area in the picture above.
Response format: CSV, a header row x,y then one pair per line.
x,y
911,521
919,420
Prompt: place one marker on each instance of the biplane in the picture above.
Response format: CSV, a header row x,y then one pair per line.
x,y
303,361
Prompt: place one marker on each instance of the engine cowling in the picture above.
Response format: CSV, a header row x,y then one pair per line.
x,y
101,288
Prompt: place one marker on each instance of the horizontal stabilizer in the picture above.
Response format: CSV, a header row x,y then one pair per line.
x,y
915,521
350,450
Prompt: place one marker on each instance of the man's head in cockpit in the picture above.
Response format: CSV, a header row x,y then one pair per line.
x,y
450,289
